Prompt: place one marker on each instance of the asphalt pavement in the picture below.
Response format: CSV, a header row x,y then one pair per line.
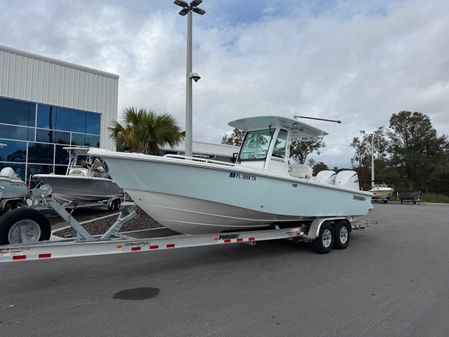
x,y
393,280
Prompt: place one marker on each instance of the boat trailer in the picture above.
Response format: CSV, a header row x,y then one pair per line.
x,y
324,233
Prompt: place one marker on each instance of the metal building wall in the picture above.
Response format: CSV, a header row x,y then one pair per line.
x,y
40,79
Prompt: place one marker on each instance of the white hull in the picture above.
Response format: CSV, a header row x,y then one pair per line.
x,y
195,216
197,197
382,192
80,189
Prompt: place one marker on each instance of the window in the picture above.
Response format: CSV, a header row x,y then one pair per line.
x,y
65,119
40,153
93,141
50,136
13,151
17,112
280,145
93,123
16,132
61,155
256,144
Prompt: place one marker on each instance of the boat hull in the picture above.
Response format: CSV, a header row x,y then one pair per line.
x,y
195,197
12,188
382,193
80,189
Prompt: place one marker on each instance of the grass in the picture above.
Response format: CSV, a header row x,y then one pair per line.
x,y
434,197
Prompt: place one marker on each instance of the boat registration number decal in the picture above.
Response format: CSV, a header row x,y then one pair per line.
x,y
243,176
359,198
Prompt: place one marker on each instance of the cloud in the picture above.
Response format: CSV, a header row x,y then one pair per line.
x,y
358,62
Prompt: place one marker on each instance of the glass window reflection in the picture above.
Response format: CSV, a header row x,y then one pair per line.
x,y
93,123
17,112
93,141
78,139
16,132
51,136
13,151
40,153
61,156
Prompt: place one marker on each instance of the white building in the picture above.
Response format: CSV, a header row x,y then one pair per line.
x,y
46,104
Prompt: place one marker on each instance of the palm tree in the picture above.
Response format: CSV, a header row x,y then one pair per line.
x,y
145,131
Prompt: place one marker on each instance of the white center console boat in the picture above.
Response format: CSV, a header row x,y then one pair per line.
x,y
198,196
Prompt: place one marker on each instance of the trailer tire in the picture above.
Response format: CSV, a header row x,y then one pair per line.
x,y
12,223
342,234
325,240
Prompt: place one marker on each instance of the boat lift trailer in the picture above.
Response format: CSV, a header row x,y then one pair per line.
x,y
113,242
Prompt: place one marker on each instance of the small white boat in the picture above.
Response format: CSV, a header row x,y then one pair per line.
x,y
86,179
381,191
193,195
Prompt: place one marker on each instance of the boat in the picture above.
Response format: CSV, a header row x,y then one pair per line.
x,y
381,191
259,190
86,179
13,190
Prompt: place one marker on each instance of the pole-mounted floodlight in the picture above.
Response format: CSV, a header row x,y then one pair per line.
x,y
187,9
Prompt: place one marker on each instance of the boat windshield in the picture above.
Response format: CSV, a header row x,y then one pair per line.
x,y
256,144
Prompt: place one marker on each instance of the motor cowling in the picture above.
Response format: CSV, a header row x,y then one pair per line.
x,y
348,179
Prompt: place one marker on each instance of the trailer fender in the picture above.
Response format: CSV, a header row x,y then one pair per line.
x,y
315,227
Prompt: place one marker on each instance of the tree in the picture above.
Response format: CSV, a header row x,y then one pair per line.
x,y
320,166
235,138
415,148
145,131
363,150
300,150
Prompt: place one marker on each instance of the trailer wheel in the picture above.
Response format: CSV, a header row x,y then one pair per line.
x,y
342,235
23,225
325,240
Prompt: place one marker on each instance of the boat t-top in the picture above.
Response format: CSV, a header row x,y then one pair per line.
x,y
261,189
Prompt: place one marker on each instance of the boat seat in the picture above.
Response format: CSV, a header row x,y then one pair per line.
x,y
80,172
326,176
300,171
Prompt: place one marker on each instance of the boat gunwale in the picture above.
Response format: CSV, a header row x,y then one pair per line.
x,y
222,167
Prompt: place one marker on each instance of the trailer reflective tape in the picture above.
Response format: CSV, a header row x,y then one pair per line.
x,y
251,239
19,257
239,239
227,241
135,249
170,245
44,256
119,246
154,247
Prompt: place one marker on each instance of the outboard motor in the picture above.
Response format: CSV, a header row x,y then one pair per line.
x,y
8,172
326,176
348,179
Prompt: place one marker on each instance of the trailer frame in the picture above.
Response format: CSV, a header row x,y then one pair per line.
x,y
115,242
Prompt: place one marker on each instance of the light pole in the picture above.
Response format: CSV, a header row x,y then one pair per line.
x,y
372,159
187,9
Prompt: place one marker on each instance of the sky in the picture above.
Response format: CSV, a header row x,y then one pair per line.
x,y
358,61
